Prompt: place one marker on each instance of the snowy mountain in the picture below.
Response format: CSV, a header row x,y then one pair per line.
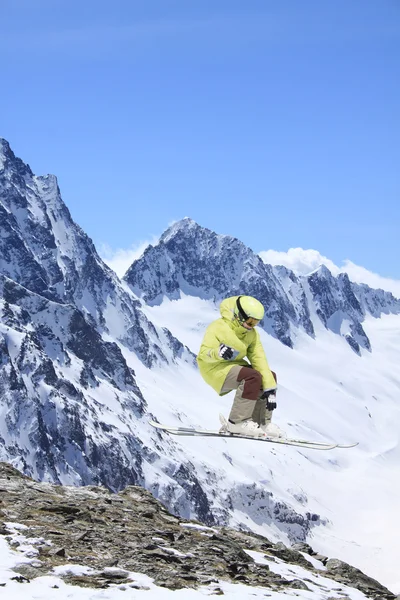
x,y
71,409
73,338
85,359
193,260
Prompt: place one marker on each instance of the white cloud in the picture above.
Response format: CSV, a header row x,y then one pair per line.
x,y
120,259
304,261
298,260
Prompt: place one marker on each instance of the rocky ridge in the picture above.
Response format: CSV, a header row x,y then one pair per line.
x,y
111,536
190,259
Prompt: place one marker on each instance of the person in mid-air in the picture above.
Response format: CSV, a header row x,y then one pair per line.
x,y
226,343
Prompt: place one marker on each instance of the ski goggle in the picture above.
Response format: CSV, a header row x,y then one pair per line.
x,y
250,322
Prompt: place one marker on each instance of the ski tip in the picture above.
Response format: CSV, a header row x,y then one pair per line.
x,y
348,445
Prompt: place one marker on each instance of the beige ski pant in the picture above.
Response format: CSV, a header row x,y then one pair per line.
x,y
247,403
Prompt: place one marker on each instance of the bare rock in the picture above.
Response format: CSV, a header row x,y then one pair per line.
x,y
113,535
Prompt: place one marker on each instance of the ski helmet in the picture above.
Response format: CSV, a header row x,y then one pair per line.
x,y
249,310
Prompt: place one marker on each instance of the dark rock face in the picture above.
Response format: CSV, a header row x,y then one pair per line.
x,y
265,509
343,305
193,260
57,415
113,535
338,307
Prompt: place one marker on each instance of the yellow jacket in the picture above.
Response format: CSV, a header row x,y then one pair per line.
x,y
228,330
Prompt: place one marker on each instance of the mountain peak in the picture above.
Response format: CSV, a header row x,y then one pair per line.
x,y
322,271
4,146
8,159
183,225
6,153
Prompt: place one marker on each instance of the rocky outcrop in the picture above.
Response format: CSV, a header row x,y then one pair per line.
x,y
109,536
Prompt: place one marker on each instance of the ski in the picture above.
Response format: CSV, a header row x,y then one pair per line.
x,y
192,431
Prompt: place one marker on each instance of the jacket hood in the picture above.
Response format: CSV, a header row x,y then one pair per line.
x,y
227,308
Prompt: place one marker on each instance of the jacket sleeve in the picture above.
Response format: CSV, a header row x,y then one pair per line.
x,y
210,345
258,360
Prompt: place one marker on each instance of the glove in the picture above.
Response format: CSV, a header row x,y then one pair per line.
x,y
227,353
270,397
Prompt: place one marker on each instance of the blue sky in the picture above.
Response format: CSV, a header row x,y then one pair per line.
x,y
277,122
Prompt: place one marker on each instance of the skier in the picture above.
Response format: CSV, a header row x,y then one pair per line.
x,y
226,343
